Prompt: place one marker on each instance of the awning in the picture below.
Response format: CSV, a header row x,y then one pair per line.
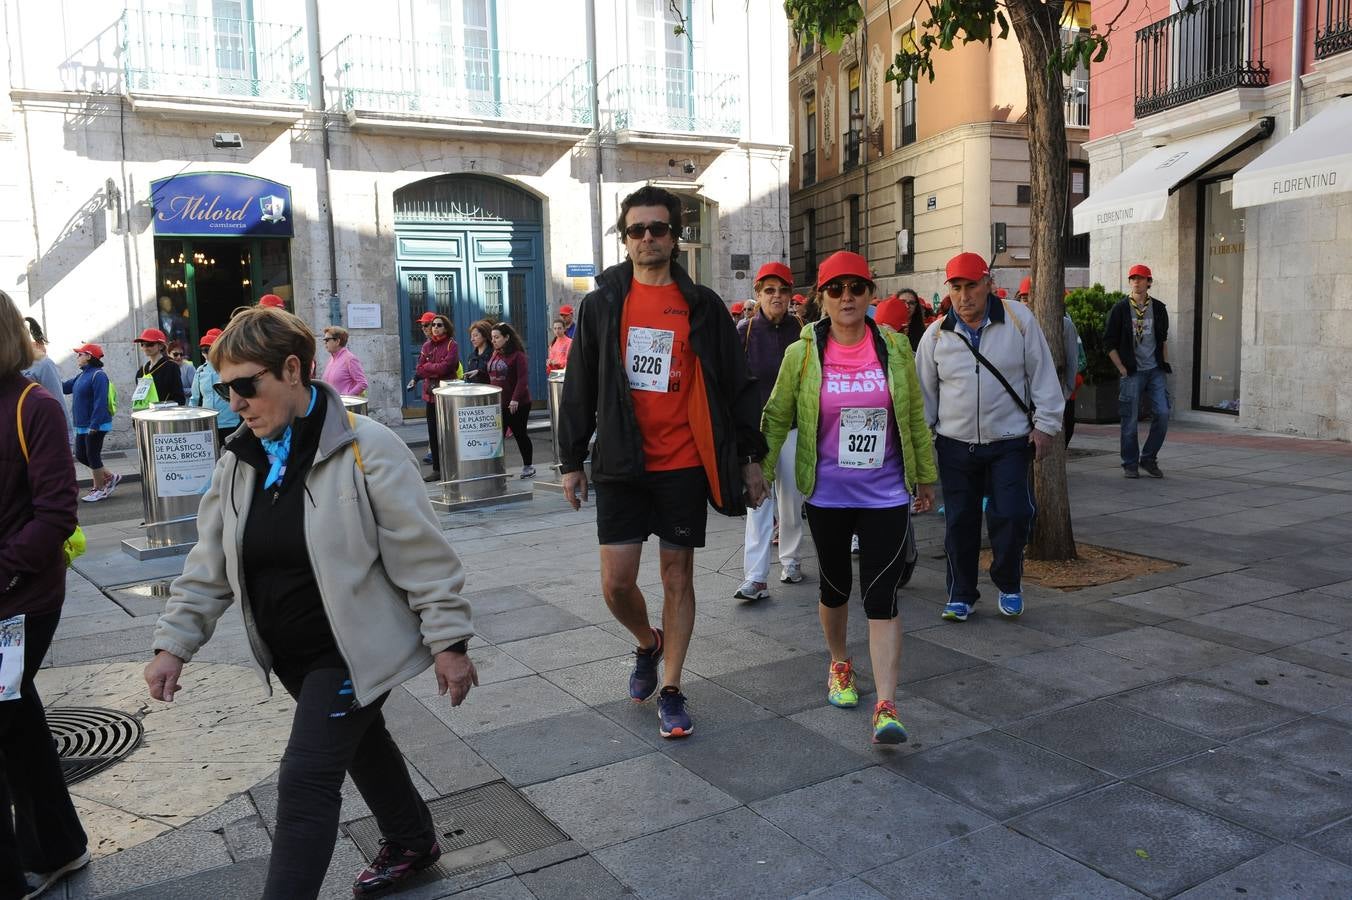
x,y
1141,191
1314,160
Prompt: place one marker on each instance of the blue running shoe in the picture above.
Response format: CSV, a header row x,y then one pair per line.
x,y
427,458
1011,605
673,720
957,611
643,681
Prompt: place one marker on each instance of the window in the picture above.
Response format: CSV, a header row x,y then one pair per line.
x,y
906,231
666,54
1077,245
467,46
903,114
856,122
809,140
810,246
854,223
1076,86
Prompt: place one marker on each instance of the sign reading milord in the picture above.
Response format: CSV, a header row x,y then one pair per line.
x,y
221,204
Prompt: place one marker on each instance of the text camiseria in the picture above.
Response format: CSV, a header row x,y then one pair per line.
x,y
859,462
655,348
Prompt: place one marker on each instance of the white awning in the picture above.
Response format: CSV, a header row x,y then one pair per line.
x,y
1314,160
1141,191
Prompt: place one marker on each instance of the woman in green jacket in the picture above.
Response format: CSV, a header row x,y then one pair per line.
x,y
853,386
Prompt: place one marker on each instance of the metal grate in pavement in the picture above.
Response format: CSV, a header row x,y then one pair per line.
x,y
482,825
90,739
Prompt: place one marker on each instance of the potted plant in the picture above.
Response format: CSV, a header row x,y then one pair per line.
x,y
1088,308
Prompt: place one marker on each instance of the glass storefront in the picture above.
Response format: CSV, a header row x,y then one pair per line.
x,y
1219,300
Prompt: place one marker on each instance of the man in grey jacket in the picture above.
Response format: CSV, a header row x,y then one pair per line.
x,y
985,430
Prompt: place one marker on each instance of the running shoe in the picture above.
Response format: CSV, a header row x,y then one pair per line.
x,y
643,681
1011,605
792,574
887,728
673,720
39,882
95,496
427,458
392,865
957,611
528,471
840,689
753,590
1130,472
113,481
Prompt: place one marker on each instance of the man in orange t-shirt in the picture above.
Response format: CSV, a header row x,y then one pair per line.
x,y
657,373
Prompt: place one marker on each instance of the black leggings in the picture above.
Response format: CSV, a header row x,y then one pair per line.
x,y
432,443
331,737
517,422
882,532
89,449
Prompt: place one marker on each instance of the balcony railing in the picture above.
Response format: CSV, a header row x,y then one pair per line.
x,y
809,168
1077,102
849,143
1332,28
670,100
1213,47
390,75
206,56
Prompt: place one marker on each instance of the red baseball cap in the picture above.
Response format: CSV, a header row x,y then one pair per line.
x,y
272,301
892,312
1141,270
151,336
840,263
967,266
565,310
738,308
799,299
93,350
775,270
208,339
426,318
1026,286
213,333
1001,293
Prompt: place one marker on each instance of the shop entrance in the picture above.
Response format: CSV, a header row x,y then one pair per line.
x,y
1220,276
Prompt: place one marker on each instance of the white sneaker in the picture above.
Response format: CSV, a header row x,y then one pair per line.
x,y
113,481
95,496
753,590
39,882
792,574
528,471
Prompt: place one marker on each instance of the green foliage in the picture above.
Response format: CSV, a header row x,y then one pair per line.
x,y
826,22
1088,309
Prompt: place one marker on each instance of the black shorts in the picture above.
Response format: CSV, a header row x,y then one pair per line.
x,y
673,505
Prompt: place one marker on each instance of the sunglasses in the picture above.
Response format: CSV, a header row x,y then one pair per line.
x,y
329,338
836,289
245,387
656,229
176,355
437,325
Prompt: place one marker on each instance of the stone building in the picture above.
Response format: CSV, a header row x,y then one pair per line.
x,y
911,177
171,160
1221,158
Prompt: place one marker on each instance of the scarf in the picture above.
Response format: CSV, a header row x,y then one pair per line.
x,y
1138,318
279,448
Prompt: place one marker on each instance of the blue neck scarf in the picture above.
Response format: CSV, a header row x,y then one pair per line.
x,y
278,449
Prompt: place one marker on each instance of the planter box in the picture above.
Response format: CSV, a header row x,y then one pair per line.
x,y
1097,403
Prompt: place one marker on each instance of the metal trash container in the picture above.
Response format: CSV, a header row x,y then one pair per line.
x,y
359,405
469,431
555,401
177,447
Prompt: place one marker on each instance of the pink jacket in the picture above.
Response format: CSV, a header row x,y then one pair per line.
x,y
345,373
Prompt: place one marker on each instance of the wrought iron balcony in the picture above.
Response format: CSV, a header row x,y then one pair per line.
x,y
1208,48
208,56
850,143
1332,28
669,100
809,168
428,78
1077,102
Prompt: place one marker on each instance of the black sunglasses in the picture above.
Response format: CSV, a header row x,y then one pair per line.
x,y
656,229
176,355
836,289
244,387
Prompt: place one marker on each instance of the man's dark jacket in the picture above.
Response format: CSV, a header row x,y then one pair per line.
x,y
596,390
1119,335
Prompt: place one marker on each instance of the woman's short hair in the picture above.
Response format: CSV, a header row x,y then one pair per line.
x,y
339,332
514,342
450,326
485,329
16,343
267,336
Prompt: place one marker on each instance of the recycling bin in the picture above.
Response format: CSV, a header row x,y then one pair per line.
x,y
177,447
359,405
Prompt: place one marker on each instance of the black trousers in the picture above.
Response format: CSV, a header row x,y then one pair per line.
x,y
1068,421
517,421
330,737
432,443
882,532
45,832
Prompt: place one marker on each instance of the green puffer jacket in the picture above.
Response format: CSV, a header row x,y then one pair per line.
x,y
797,396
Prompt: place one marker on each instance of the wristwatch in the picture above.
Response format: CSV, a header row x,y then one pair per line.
x,y
749,460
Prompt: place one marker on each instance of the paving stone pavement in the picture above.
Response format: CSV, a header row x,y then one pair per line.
x,y
1184,734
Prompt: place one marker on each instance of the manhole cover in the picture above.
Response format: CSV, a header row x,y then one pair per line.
x,y
89,739
476,827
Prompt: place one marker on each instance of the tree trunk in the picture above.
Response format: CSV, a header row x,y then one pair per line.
x,y
1037,26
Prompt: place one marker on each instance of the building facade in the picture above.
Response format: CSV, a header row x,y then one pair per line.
x,y
909,177
171,160
1220,158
